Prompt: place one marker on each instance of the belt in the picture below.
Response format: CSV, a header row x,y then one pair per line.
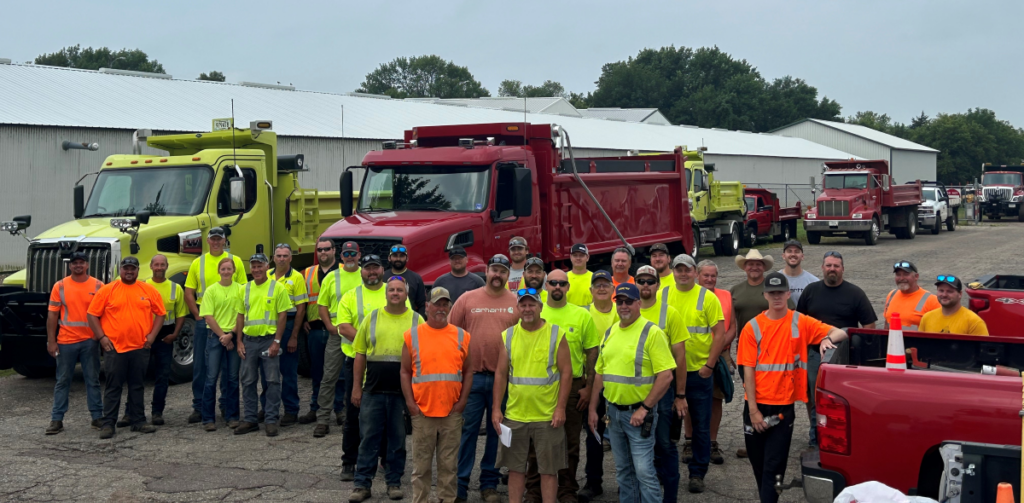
x,y
485,372
625,407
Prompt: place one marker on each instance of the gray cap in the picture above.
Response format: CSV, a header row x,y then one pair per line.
x,y
439,292
517,241
684,259
534,261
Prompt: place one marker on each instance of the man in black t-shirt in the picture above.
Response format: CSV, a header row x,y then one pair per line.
x,y
838,303
459,280
397,260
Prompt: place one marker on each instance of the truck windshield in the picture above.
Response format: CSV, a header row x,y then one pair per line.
x,y
846,181
161,191
1000,179
929,195
425,188
750,202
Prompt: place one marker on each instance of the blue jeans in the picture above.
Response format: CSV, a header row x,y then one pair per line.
x,y
199,363
253,364
381,415
666,453
317,342
217,358
162,354
289,363
813,362
481,398
698,398
69,355
634,458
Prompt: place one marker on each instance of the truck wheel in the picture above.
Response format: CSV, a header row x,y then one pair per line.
x,y
951,222
871,236
1020,214
696,243
717,245
35,371
912,224
813,237
787,233
750,236
181,359
304,364
731,245
938,225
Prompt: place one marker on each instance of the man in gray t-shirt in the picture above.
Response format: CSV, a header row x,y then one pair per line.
x,y
459,280
793,256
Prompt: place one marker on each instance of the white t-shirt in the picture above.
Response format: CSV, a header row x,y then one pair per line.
x,y
515,276
798,283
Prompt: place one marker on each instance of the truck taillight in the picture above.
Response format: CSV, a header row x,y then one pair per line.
x,y
833,413
977,305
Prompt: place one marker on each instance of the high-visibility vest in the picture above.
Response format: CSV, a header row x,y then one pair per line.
x,y
313,291
794,333
434,374
638,378
202,274
699,307
532,375
370,352
918,308
269,319
64,319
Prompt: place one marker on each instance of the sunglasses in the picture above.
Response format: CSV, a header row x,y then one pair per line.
x,y
833,254
398,249
399,278
557,283
646,282
498,261
343,254
325,250
947,279
628,302
902,265
371,258
283,245
526,291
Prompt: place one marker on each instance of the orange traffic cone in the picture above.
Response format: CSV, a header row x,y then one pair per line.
x,y
1005,493
896,357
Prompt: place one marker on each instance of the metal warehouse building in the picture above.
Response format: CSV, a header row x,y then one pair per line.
x,y
909,161
45,106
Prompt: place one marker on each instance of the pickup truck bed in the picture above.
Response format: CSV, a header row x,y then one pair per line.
x,y
887,426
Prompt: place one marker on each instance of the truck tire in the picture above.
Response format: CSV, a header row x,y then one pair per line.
x,y
304,364
750,236
951,222
181,357
696,244
1020,214
871,236
911,224
938,226
35,371
813,237
787,233
717,245
731,245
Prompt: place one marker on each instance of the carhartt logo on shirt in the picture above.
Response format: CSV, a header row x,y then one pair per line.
x,y
492,310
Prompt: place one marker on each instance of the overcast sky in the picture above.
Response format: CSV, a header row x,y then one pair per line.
x,y
895,57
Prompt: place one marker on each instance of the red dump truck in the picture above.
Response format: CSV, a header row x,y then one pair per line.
x,y
889,425
860,200
1002,192
478,185
767,218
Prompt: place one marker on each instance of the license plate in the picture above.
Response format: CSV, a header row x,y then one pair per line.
x,y
833,223
1013,205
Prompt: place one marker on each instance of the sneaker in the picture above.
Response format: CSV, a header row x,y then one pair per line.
x,y
716,454
288,419
321,430
57,427
144,428
123,422
261,416
195,417
741,453
395,493
696,485
158,420
490,496
687,453
210,426
348,473
271,429
307,418
233,424
96,424
589,492
107,432
359,494
245,427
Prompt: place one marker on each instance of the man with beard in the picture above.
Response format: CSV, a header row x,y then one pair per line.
x,y
316,333
707,277
533,277
793,256
602,311
908,300
748,296
338,350
459,280
486,313
518,252
621,260
952,318
661,261
838,303
398,258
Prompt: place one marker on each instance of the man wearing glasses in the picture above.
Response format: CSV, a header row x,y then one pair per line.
x,y
602,311
952,318
295,285
908,299
397,260
316,334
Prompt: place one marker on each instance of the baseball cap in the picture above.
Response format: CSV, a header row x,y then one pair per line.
x,y
952,281
216,231
350,246
457,251
130,261
259,257
656,247
516,241
370,259
792,242
601,274
579,248
533,293
904,265
683,259
648,270
628,290
534,261
439,292
79,256
776,282
501,260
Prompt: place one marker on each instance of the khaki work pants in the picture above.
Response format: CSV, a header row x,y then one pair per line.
x,y
567,484
443,436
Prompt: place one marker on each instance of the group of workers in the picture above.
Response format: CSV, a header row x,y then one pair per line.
x,y
541,358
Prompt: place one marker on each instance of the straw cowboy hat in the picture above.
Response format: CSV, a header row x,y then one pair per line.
x,y
769,262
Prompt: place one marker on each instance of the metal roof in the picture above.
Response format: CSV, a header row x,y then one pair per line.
x,y
49,96
552,105
646,115
865,132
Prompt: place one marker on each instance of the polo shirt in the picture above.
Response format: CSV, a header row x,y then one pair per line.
x,y
581,333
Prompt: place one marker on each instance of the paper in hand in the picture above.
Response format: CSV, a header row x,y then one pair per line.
x,y
596,435
505,435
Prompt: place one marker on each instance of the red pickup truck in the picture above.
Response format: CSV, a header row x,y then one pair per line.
x,y
767,217
887,426
999,300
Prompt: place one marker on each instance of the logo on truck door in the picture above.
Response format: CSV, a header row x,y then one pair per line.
x,y
1008,300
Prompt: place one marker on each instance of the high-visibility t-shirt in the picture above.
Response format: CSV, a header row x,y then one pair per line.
x,y
780,359
617,361
669,280
334,288
173,296
673,326
352,312
126,313
698,321
204,272
579,288
266,302
296,286
725,297
224,303
72,309
963,321
616,283
437,357
910,306
581,333
533,356
603,321
380,338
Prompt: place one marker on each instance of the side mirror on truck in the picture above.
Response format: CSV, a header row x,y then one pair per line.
x,y
346,193
79,197
523,193
236,186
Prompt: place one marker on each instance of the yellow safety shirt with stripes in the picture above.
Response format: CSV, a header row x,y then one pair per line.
x,y
355,306
580,332
296,286
630,360
668,320
381,335
262,304
701,311
533,376
334,288
603,321
204,272
669,280
173,296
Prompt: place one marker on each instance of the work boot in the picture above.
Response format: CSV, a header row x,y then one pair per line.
x,y
144,428
490,496
96,424
233,424
741,453
348,473
158,420
260,416
321,430
246,427
339,418
687,453
395,493
606,446
359,494
107,432
716,453
55,427
123,422
210,426
307,418
696,485
194,417
589,492
271,429
288,419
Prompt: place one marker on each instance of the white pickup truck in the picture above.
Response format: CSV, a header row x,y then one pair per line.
x,y
939,208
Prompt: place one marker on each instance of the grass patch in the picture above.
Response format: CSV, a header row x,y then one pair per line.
x,y
8,372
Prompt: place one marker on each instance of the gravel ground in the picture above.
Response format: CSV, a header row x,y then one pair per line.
x,y
182,463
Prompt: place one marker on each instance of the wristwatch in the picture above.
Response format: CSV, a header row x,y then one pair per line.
x,y
681,395
277,341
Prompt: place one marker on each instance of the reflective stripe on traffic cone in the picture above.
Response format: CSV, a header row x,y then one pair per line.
x,y
896,357
1004,494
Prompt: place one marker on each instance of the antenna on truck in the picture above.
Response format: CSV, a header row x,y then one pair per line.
x,y
343,165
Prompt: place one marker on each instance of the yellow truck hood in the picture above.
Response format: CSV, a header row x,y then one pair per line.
x,y
99,227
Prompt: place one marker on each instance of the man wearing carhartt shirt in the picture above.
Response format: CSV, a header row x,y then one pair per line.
x,y
486,313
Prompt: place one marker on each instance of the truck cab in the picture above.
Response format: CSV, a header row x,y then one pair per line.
x,y
1002,192
718,206
767,217
937,209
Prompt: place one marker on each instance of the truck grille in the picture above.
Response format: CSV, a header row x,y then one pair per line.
x,y
1002,193
833,208
46,264
379,247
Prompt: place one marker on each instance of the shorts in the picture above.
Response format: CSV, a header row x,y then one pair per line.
x,y
718,394
548,442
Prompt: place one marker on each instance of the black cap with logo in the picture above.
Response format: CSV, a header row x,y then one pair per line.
x,y
79,256
776,282
579,248
130,262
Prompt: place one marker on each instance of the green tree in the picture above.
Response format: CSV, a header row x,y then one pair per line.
x,y
102,57
423,77
214,76
412,193
516,89
510,89
579,100
873,120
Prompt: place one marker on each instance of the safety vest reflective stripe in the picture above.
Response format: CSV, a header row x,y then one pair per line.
x,y
63,320
638,378
418,376
663,316
700,307
794,332
267,320
700,298
170,319
920,306
373,339
924,298
552,377
202,274
359,306
312,285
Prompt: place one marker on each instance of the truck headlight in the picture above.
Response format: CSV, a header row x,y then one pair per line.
x,y
1015,199
858,216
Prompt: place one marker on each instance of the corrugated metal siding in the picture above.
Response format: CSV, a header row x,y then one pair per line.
x,y
910,165
327,158
789,178
834,138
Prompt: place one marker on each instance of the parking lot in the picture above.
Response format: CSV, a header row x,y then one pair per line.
x,y
180,462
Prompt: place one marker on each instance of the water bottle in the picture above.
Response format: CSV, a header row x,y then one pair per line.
x,y
771,420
